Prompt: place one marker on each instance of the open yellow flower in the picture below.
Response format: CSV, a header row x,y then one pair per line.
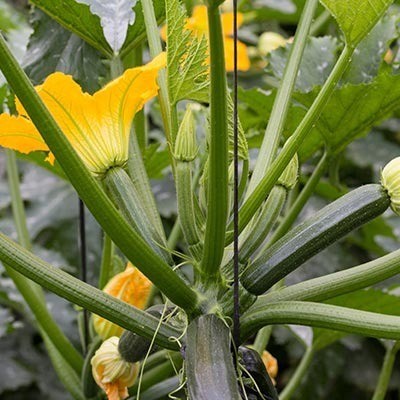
x,y
198,24
97,125
130,286
112,373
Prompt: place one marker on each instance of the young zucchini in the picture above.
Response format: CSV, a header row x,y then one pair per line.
x,y
312,236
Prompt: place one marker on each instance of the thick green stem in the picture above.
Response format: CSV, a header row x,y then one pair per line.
x,y
298,375
264,223
262,339
273,173
106,261
186,210
128,201
281,106
338,283
386,372
65,372
320,315
139,122
86,296
153,37
300,202
139,177
89,190
217,197
31,292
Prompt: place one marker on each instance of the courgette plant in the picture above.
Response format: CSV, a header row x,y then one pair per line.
x,y
193,326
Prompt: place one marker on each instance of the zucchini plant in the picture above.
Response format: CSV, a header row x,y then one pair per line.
x,y
185,308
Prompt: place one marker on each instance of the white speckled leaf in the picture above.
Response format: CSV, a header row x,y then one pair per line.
x,y
115,17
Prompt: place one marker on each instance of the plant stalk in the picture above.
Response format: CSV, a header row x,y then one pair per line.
x,y
218,180
300,202
89,190
298,375
276,123
386,372
261,191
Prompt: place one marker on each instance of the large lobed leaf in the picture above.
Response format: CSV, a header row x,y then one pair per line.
x,y
356,18
78,18
186,55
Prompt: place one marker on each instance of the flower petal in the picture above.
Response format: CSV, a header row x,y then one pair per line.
x,y
243,57
227,22
19,133
76,114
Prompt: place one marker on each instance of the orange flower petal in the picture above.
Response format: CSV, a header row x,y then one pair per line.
x,y
243,57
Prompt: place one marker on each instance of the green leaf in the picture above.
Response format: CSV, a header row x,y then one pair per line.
x,y
320,56
61,51
356,18
350,113
78,19
367,300
115,18
370,52
186,58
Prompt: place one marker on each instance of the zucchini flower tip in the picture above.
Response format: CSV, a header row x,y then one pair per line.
x,y
390,180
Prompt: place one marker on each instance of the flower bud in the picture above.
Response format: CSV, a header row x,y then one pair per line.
x,y
270,41
271,364
113,374
185,144
288,179
130,286
390,179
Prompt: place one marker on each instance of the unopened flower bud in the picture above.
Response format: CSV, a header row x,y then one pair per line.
x,y
186,144
270,41
289,177
130,286
390,179
113,374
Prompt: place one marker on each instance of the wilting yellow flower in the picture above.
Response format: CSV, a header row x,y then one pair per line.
x,y
271,364
113,374
270,41
198,24
130,286
97,125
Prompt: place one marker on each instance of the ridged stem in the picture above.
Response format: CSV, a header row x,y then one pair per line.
x,y
86,296
261,191
300,201
128,201
106,261
338,283
101,207
186,207
281,106
386,371
217,196
323,316
298,375
31,292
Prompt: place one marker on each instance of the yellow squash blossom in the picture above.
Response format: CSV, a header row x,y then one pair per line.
x,y
112,373
130,286
271,364
97,125
198,24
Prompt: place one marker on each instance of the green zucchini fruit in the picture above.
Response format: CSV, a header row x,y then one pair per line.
x,y
208,360
132,347
261,381
313,235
